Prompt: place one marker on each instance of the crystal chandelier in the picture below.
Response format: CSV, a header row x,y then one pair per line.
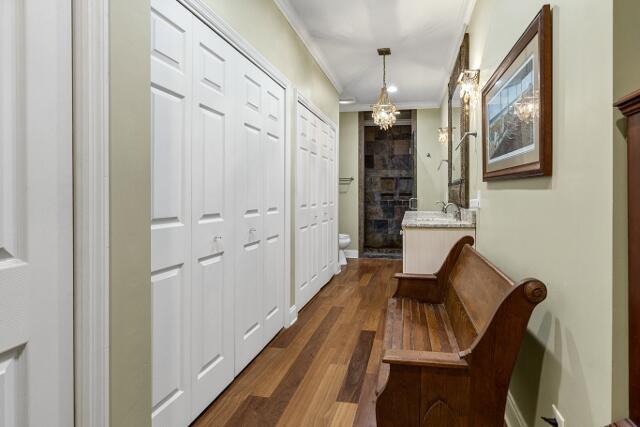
x,y
384,112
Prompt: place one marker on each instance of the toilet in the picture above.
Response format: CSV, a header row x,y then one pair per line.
x,y
344,240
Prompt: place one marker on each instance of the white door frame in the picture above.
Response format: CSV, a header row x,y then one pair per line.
x,y
91,210
299,98
200,9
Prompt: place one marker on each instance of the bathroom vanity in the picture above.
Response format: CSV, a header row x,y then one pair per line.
x,y
427,237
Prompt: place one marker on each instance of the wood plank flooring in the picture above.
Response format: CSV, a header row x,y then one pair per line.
x,y
322,371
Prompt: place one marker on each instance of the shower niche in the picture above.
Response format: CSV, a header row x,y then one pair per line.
x,y
387,183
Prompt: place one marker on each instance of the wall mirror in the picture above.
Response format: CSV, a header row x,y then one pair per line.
x,y
458,123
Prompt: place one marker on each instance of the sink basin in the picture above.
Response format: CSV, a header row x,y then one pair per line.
x,y
433,219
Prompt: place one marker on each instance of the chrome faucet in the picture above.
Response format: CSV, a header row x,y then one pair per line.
x,y
456,214
444,206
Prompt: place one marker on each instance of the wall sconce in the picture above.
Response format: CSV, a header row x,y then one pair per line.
x,y
443,135
469,81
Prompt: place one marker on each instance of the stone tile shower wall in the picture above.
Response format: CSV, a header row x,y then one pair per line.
x,y
389,184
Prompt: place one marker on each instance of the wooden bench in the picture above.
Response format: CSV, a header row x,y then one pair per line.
x,y
451,341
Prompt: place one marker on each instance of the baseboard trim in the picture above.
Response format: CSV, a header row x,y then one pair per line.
x,y
512,416
351,253
292,316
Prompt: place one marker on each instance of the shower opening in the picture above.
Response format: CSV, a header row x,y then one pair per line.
x,y
388,182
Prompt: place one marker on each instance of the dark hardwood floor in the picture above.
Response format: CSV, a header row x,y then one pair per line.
x,y
322,371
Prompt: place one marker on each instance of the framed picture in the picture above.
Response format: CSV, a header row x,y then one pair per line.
x,y
516,107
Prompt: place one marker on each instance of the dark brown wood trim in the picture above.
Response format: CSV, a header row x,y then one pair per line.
x,y
361,184
542,27
630,104
458,191
630,107
623,423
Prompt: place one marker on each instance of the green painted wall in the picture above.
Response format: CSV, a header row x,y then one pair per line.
x,y
558,229
130,293
626,79
348,167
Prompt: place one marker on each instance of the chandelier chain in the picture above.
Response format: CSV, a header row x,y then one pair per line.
x,y
384,70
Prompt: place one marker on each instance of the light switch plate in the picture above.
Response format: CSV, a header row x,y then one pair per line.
x,y
475,203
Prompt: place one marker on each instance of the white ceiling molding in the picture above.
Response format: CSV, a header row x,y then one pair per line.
x,y
349,108
300,29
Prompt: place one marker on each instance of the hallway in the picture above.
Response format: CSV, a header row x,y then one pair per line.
x,y
322,370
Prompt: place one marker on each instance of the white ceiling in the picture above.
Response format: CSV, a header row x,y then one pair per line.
x,y
343,35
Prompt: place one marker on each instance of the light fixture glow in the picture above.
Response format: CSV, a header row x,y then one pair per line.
x,y
443,135
392,89
384,111
469,82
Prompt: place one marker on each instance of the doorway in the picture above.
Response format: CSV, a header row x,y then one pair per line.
x,y
388,177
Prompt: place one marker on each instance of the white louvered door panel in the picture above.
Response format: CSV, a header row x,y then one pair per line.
x,y
212,302
171,111
36,214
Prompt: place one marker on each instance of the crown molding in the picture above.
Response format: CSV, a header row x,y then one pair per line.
x,y
300,29
349,108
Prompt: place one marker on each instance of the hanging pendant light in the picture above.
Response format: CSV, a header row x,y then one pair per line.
x,y
384,112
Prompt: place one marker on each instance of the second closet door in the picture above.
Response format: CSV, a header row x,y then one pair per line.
x,y
316,185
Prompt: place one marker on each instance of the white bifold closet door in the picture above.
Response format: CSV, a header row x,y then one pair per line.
x,y
217,214
316,187
212,213
259,212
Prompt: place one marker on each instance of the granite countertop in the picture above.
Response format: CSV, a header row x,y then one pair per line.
x,y
437,219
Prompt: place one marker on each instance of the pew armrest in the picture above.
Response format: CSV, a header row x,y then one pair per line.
x,y
423,287
424,359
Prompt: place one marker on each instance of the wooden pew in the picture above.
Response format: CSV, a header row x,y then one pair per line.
x,y
451,341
